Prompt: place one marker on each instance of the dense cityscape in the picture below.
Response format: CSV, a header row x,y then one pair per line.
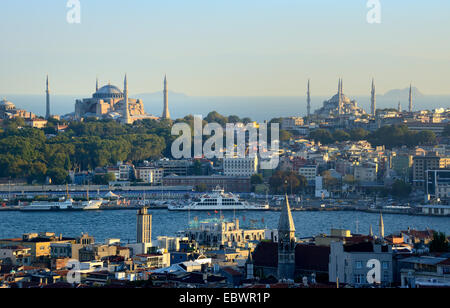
x,y
337,158
337,193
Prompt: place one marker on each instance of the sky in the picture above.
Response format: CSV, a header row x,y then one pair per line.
x,y
225,48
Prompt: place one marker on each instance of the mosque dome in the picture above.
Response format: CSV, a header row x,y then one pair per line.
x,y
335,99
5,104
108,91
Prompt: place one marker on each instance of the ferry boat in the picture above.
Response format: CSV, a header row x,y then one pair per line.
x,y
61,205
218,200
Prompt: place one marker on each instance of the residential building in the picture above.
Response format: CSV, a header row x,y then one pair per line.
x,y
309,172
366,173
424,163
425,272
350,264
149,174
240,167
438,184
15,255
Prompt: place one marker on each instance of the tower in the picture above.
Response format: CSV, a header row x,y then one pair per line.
x,y
381,226
286,243
166,112
249,267
399,107
410,99
373,100
96,85
47,92
144,226
340,96
126,115
371,231
308,101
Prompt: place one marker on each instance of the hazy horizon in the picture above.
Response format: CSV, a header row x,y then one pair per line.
x,y
235,48
243,106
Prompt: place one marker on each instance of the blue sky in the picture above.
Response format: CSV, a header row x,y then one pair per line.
x,y
225,48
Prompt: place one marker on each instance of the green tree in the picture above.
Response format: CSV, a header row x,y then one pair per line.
x,y
439,243
58,176
285,135
446,132
341,135
256,179
286,182
322,135
401,189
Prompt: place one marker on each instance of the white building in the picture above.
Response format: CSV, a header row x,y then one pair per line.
x,y
243,167
291,123
350,264
309,172
150,175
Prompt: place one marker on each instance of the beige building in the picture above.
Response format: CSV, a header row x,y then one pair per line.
x,y
241,167
97,252
309,172
424,163
39,243
150,175
144,226
217,232
15,255
366,172
111,102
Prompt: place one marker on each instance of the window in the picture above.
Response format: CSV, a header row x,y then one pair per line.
x,y
385,265
359,279
359,265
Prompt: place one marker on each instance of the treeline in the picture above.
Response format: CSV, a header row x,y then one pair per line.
x,y
27,153
35,154
389,136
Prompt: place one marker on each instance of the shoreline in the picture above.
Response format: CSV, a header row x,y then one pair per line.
x,y
309,209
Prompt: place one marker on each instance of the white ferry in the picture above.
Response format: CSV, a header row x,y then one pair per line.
x,y
61,205
218,200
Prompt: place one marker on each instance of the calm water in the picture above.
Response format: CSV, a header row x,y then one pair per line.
x,y
122,224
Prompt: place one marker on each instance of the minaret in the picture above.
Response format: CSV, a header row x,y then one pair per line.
x,y
410,99
373,100
144,226
286,243
127,118
96,85
308,101
47,113
371,231
166,112
399,108
340,96
381,226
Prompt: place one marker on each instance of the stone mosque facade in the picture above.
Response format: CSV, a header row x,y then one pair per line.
x,y
9,111
339,105
109,102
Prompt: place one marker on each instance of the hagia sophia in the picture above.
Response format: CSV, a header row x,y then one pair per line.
x,y
109,102
9,111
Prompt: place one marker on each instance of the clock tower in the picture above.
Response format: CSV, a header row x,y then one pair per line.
x,y
286,243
